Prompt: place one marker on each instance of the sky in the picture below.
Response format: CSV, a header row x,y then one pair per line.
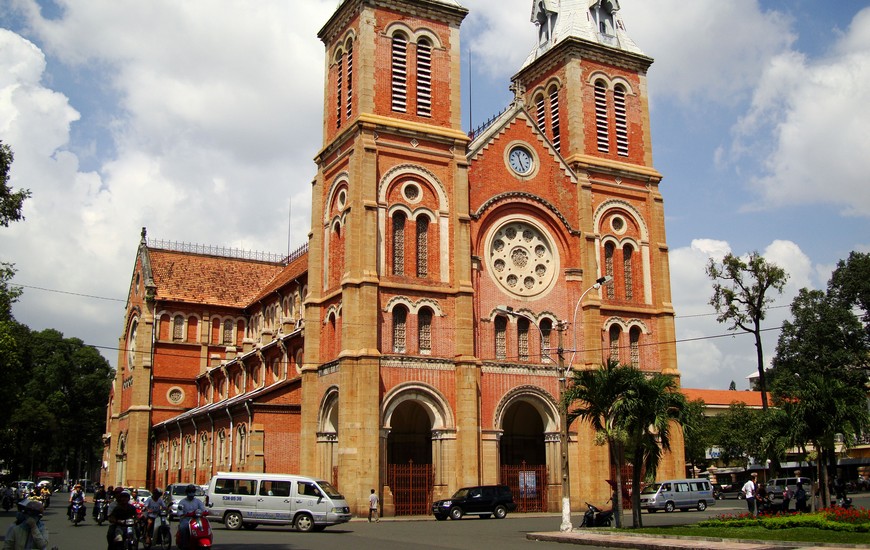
x,y
200,119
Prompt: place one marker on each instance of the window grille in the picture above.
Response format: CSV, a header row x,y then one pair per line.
x,y
424,329
541,113
228,332
400,318
400,73
523,339
614,342
349,85
554,117
178,328
424,78
627,253
621,121
546,332
338,91
601,124
422,247
500,337
634,340
399,244
608,266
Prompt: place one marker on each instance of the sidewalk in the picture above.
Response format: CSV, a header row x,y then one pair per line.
x,y
652,542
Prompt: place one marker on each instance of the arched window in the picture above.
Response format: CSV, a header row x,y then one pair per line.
x,y
523,339
422,246
339,96
554,117
399,243
424,78
399,73
400,321
500,324
541,113
620,120
188,451
601,124
349,84
627,256
203,449
546,332
241,441
178,328
229,337
222,447
609,249
614,342
634,341
424,330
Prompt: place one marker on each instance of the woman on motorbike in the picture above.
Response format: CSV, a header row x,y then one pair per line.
x,y
76,496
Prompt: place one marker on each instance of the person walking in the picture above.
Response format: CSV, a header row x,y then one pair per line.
x,y
750,490
373,507
800,498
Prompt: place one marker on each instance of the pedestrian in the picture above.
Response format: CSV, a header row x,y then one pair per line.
x,y
800,498
373,507
786,499
28,531
750,489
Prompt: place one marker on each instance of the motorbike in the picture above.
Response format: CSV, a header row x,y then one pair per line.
x,y
162,536
596,517
77,513
129,538
101,507
200,532
844,503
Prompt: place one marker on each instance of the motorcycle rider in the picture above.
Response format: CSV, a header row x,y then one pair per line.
x,y
77,495
186,506
99,494
121,512
153,506
28,531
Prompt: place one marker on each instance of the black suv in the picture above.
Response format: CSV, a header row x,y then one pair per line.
x,y
484,501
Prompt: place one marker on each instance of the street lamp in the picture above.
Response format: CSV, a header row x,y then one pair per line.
x,y
563,406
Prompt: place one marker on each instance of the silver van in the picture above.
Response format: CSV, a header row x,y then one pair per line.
x,y
249,499
671,494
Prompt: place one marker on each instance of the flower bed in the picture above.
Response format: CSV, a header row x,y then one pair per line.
x,y
854,520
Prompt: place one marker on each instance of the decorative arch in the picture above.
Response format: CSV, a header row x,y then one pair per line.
x,y
616,204
431,400
538,398
327,421
404,170
415,306
339,182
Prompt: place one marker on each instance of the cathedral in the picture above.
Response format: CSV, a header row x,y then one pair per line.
x,y
418,342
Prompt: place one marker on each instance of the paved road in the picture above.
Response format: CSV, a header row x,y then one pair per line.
x,y
405,534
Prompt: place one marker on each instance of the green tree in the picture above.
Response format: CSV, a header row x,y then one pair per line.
x,y
601,397
819,377
740,297
10,201
656,405
696,433
733,432
850,283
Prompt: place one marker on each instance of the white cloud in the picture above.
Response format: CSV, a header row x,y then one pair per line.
x,y
808,128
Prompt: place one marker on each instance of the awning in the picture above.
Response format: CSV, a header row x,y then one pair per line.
x,y
860,461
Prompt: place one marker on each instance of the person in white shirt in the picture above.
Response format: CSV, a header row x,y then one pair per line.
x,y
750,488
187,505
153,506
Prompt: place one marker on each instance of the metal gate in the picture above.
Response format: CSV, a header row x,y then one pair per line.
x,y
411,485
528,483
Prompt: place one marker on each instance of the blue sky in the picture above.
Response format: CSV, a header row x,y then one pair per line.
x,y
200,119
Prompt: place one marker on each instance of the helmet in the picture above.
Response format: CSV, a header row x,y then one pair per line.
x,y
156,493
190,490
78,486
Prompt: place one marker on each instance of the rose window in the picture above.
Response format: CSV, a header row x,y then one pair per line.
x,y
522,258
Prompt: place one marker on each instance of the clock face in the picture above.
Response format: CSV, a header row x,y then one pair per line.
x,y
520,160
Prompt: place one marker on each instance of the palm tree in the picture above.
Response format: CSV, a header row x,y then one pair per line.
x,y
603,397
656,405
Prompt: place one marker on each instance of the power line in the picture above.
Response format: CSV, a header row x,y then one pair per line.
x,y
69,293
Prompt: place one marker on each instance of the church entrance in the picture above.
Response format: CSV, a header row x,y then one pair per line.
x,y
523,453
409,459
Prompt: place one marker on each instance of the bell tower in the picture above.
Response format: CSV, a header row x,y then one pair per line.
x,y
389,266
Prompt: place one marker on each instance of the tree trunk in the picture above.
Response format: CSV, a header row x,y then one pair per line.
x,y
636,467
762,378
617,489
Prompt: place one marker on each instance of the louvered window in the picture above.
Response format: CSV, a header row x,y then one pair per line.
x,y
627,253
400,73
608,266
546,332
554,117
614,342
541,113
620,119
400,320
178,328
424,330
634,339
349,101
601,126
500,337
399,244
228,332
523,339
339,100
424,78
422,246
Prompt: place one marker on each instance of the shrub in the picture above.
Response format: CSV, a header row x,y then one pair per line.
x,y
855,520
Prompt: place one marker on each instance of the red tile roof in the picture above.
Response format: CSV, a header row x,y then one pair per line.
x,y
294,269
211,280
724,397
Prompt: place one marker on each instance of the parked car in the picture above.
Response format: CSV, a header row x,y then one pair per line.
x,y
484,501
775,486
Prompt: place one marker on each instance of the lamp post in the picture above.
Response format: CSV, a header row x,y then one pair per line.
x,y
563,406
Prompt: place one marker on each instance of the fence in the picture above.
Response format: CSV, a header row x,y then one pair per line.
x,y
528,483
411,485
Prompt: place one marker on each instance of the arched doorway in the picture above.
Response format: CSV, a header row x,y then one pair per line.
x,y
327,437
523,452
409,458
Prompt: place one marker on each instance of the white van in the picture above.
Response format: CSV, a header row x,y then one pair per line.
x,y
248,499
677,493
